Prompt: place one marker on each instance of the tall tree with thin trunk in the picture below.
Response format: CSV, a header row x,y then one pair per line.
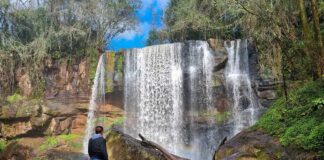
x,y
307,38
318,36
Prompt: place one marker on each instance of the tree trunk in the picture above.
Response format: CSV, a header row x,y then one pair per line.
x,y
318,37
307,39
165,153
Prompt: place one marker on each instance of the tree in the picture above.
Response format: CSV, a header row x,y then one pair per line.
x,y
34,30
318,37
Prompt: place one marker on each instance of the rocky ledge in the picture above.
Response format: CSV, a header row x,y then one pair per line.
x,y
125,147
122,146
255,144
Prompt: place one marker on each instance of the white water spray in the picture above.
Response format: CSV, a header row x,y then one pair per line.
x,y
155,81
97,96
238,81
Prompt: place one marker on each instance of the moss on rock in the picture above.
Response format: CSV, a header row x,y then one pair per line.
x,y
121,146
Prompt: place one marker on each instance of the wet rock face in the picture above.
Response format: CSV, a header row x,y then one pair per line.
x,y
264,88
257,145
64,80
121,146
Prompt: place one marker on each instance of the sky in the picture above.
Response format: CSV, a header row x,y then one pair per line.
x,y
137,38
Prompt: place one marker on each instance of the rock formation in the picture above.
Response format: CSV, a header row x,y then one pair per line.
x,y
255,145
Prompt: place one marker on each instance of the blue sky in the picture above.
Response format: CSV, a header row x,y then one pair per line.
x,y
137,38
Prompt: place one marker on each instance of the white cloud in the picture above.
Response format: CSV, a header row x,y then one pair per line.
x,y
146,4
127,35
162,4
141,30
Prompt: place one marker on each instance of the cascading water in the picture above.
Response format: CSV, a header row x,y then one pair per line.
x,y
97,96
164,85
203,137
153,90
239,86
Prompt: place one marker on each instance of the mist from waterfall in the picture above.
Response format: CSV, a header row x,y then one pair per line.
x,y
239,86
167,88
97,96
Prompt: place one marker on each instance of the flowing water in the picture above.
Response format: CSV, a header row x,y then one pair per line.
x,y
97,96
168,96
166,88
239,86
153,93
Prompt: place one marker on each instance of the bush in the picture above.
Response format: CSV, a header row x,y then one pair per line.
x,y
14,98
54,141
299,122
51,142
2,145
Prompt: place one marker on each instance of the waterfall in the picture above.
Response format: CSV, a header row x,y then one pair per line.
x,y
153,90
97,96
164,85
239,86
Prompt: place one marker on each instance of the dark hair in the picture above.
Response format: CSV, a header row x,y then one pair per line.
x,y
99,129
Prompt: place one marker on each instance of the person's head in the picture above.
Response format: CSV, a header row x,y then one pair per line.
x,y
99,130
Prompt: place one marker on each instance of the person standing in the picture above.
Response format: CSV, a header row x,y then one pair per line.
x,y
97,145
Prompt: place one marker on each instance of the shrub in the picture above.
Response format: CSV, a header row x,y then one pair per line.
x,y
2,145
54,141
299,122
14,98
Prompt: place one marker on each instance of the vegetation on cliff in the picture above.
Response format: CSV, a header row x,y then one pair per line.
x,y
299,121
36,30
288,35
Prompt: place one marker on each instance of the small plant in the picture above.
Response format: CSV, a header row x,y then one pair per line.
x,y
51,142
221,117
2,145
55,141
67,137
118,121
14,98
318,103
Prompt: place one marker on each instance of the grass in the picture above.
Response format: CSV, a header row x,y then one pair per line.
x,y
55,141
221,117
2,145
299,122
14,98
117,121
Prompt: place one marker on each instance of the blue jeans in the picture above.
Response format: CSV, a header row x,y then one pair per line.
x,y
94,158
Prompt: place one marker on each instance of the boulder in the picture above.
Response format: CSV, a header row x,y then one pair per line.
x,y
122,146
15,151
255,145
21,109
267,94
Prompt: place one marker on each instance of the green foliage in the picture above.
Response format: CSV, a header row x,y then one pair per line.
x,y
51,142
14,98
299,122
2,145
93,58
53,29
118,121
156,37
55,141
274,26
221,117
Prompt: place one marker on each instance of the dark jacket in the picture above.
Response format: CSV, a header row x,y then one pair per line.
x,y
97,147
